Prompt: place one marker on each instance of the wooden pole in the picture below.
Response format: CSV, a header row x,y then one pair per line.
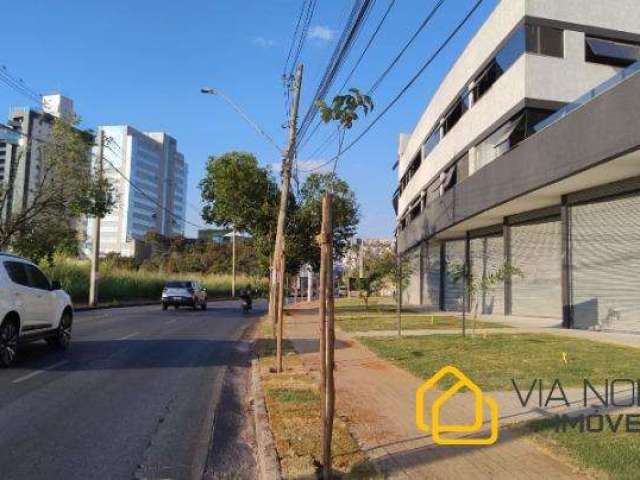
x,y
280,324
327,222
287,163
398,291
322,311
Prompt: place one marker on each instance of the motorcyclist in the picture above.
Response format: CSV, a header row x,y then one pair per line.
x,y
245,296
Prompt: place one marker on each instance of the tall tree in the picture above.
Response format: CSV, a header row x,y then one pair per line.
x,y
237,192
65,188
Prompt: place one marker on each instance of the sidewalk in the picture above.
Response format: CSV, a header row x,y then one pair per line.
x,y
378,400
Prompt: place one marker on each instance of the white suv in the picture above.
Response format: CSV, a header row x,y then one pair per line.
x,y
31,308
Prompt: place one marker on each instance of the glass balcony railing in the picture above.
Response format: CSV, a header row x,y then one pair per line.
x,y
618,78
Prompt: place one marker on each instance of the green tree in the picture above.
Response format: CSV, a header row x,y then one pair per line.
x,y
238,193
308,218
65,189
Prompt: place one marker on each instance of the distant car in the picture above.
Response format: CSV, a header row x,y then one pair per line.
x,y
31,308
184,293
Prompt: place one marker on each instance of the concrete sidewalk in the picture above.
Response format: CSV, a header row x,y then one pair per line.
x,y
378,400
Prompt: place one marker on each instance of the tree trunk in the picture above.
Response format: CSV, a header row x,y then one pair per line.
x,y
327,335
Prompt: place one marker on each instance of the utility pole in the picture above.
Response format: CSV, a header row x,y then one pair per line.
x,y
278,256
233,262
95,254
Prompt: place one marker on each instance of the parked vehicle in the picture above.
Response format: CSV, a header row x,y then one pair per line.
x,y
31,308
184,293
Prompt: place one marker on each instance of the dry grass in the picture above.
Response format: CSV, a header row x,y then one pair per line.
x,y
293,404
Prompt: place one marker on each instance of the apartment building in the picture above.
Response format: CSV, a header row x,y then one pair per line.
x,y
527,161
150,179
20,147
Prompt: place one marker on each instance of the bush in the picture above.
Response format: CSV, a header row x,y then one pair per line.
x,y
120,285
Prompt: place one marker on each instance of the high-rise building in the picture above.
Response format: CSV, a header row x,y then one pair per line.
x,y
526,163
20,162
150,178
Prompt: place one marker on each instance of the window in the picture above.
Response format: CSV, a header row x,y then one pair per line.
x,y
508,136
37,279
454,115
545,40
17,273
431,142
611,52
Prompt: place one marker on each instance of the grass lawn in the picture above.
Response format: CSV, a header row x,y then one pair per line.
x,y
361,323
493,360
616,454
352,306
293,404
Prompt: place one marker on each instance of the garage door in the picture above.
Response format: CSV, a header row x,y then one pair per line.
x,y
536,253
606,264
431,279
487,258
411,292
454,285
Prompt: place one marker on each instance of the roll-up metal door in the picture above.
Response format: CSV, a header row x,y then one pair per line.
x,y
431,287
487,258
605,283
411,293
536,251
453,290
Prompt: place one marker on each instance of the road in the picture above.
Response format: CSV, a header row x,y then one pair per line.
x,y
134,397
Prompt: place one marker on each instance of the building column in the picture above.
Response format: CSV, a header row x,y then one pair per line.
x,y
443,274
565,228
506,240
423,259
466,293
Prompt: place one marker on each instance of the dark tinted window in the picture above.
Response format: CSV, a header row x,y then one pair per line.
x,y
611,52
17,273
37,279
178,285
512,50
431,142
545,40
454,115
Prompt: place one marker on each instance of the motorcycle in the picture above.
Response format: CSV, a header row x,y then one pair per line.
x,y
246,304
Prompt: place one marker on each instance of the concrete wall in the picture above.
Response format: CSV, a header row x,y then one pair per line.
x,y
532,77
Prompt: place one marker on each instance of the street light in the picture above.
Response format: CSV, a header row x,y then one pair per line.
x,y
254,125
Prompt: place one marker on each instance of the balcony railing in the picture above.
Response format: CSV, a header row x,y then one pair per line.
x,y
618,78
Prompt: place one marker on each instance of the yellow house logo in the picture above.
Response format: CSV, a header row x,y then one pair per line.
x,y
437,428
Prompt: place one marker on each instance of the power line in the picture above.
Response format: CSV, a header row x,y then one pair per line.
x,y
405,88
355,66
293,39
352,27
133,184
394,62
18,85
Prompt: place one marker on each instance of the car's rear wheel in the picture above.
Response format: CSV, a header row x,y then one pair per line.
x,y
8,342
62,337
204,304
164,306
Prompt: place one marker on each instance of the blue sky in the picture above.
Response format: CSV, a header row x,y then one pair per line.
x,y
143,62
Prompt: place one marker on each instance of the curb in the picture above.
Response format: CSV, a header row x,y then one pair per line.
x,y
140,304
268,464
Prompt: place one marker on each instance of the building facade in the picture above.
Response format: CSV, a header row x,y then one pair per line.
x,y
526,165
150,179
20,152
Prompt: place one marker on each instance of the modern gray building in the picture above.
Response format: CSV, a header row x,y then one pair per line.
x,y
528,157
150,179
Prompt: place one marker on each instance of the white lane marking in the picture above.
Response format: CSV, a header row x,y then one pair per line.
x,y
38,372
127,336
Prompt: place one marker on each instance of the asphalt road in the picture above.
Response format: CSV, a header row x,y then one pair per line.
x,y
134,397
